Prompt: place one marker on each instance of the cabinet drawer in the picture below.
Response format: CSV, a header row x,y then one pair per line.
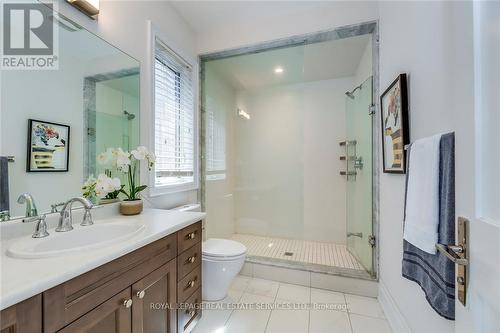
x,y
188,236
72,299
189,313
189,284
188,260
111,316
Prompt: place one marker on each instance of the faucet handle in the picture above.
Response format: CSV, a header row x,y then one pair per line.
x,y
4,215
41,226
87,218
55,206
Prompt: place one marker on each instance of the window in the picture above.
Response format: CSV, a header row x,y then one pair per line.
x,y
174,120
215,135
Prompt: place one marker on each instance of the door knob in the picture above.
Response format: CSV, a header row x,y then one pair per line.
x,y
452,252
127,303
459,255
141,294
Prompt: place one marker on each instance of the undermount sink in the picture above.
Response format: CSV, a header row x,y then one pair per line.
x,y
79,239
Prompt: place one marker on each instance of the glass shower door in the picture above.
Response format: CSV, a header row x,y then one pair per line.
x,y
359,176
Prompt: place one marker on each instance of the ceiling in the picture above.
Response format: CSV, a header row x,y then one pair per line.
x,y
127,84
203,15
312,62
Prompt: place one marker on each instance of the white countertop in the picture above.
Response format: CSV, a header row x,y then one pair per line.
x,y
21,279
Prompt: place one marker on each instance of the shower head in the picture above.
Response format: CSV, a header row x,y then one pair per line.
x,y
128,115
349,94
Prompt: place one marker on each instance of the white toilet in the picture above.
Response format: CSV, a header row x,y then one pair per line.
x,y
222,260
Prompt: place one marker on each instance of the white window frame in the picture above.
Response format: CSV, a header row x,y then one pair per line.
x,y
153,35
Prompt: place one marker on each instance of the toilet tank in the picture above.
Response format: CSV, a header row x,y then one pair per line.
x,y
196,207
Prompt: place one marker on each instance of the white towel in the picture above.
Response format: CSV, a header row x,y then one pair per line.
x,y
422,197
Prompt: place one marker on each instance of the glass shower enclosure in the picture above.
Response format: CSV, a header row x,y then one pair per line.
x,y
359,153
270,126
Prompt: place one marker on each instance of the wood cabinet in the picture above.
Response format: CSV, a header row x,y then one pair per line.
x,y
136,293
112,316
25,316
189,278
154,301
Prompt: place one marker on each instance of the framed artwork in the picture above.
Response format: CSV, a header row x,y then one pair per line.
x,y
395,129
48,147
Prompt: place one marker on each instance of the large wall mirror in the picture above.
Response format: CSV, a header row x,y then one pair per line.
x,y
55,123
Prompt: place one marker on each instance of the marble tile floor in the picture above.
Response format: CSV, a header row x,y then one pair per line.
x,y
263,306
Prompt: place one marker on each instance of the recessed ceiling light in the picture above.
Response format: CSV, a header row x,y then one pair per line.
x,y
243,114
278,70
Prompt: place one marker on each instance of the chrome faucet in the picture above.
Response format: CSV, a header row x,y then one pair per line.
x,y
66,219
27,199
41,226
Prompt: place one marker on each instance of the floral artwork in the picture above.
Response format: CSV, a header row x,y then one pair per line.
x,y
395,133
48,146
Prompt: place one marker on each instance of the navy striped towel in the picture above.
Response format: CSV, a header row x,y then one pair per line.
x,y
434,272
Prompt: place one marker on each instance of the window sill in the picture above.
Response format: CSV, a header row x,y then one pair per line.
x,y
157,191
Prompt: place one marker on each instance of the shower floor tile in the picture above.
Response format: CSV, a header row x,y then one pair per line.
x,y
309,253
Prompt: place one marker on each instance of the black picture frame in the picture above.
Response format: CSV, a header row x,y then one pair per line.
x,y
395,125
34,151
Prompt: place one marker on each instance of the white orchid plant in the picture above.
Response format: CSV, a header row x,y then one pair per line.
x,y
128,163
102,187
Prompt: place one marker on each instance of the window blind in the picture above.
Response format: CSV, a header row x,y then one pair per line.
x,y
215,141
174,118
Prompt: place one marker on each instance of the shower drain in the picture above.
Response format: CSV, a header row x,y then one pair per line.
x,y
288,254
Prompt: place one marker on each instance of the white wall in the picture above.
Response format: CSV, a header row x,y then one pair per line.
x,y
365,68
324,188
124,24
254,29
287,161
67,108
432,42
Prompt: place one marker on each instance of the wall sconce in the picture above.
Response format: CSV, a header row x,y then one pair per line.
x,y
88,7
243,114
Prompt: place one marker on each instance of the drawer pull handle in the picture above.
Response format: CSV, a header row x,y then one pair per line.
x,y
190,284
191,313
191,260
127,303
141,294
191,235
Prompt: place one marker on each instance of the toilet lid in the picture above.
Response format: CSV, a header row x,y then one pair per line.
x,y
216,247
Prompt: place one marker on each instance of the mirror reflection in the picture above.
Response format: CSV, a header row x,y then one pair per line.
x,y
51,144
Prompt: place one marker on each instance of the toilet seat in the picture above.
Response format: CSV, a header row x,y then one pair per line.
x,y
222,249
222,260
216,258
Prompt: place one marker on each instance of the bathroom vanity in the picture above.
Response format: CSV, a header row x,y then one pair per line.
x,y
149,283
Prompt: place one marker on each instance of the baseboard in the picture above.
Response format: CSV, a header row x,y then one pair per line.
x,y
394,316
